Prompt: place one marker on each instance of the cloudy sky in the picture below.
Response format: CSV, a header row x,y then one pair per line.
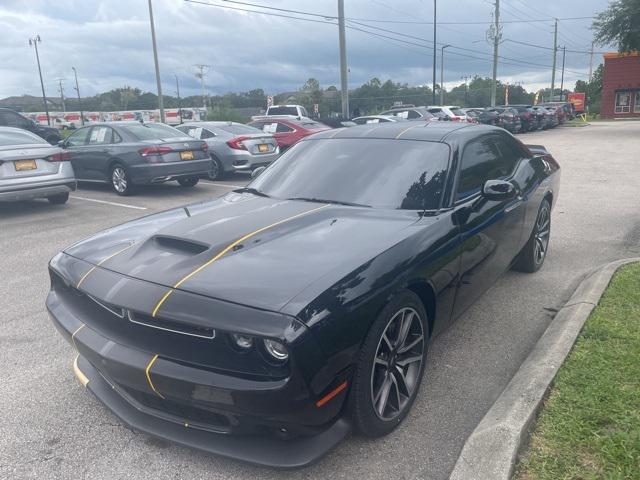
x,y
109,43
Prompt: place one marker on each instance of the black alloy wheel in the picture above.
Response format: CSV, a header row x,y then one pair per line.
x,y
390,366
535,251
217,170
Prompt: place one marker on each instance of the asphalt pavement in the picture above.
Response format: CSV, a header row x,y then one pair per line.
x,y
53,428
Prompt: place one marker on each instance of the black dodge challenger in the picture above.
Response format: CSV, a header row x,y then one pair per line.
x,y
265,324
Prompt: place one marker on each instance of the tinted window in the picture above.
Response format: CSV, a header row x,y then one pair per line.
x,y
12,119
149,132
238,129
375,172
411,114
282,128
281,110
206,134
487,158
164,131
78,137
17,137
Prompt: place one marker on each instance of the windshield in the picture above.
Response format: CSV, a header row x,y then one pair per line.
x,y
239,129
380,173
153,131
10,137
282,110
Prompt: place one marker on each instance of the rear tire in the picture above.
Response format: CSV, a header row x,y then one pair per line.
x,y
188,182
534,252
121,181
217,170
59,199
390,366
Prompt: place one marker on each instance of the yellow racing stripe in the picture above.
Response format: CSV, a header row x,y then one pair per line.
x,y
147,372
229,247
101,262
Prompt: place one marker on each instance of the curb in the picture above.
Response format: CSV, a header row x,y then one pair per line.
x,y
490,452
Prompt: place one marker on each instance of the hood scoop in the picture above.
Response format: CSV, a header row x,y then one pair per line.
x,y
179,245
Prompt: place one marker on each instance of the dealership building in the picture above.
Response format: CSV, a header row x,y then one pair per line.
x,y
621,85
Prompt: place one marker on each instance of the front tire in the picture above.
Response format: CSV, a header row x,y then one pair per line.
x,y
120,180
534,252
188,182
390,366
59,199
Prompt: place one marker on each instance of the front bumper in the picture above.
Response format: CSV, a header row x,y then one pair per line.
x,y
263,451
164,172
263,419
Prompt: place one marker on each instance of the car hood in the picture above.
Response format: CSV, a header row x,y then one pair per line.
x,y
245,249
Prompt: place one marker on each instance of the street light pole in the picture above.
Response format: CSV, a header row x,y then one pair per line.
x,y
442,73
496,41
78,91
564,52
553,67
34,41
155,60
435,7
344,84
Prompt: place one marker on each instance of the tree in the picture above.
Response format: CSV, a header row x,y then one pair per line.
x,y
592,89
620,25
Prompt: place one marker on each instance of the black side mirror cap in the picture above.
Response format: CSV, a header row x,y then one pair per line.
x,y
498,190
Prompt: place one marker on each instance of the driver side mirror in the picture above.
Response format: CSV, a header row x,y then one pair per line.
x,y
62,144
498,190
256,172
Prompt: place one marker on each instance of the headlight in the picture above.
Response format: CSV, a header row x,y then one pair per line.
x,y
245,342
276,349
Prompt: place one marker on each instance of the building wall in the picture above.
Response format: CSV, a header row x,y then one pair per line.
x,y
621,85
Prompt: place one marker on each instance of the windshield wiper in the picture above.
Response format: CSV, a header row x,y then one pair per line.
x,y
336,202
251,190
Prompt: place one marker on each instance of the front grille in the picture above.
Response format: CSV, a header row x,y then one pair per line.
x,y
182,413
170,325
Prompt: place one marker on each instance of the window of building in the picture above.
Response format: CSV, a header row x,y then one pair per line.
x,y
636,105
623,102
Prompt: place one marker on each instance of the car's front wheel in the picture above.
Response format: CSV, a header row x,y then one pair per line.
x,y
120,180
390,366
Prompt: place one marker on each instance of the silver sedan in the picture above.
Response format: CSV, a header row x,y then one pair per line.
x,y
31,168
234,147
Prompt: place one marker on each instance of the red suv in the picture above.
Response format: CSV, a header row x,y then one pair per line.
x,y
287,130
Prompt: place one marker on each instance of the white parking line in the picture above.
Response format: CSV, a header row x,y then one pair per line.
x,y
227,185
124,205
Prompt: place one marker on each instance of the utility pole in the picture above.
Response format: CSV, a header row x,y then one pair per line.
x,y
564,51
155,60
200,75
466,90
435,2
497,35
34,41
555,51
179,102
591,62
61,90
78,91
344,84
442,73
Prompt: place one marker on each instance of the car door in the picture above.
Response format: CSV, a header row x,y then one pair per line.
x,y
490,230
75,144
95,158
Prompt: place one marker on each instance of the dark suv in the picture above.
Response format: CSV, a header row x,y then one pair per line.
x,y
9,118
528,118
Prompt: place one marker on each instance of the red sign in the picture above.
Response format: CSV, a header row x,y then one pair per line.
x,y
578,100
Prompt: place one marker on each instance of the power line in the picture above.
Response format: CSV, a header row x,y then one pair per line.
x,y
547,48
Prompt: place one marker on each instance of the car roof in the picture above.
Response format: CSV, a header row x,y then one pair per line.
x,y
417,130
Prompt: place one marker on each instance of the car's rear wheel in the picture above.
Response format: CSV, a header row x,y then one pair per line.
x,y
188,182
390,366
534,252
217,170
120,180
59,199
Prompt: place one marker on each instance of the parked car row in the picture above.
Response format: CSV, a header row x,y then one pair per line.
x,y
522,118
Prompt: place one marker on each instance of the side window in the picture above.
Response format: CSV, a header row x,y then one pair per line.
x,y
282,128
480,160
100,136
402,114
411,114
11,119
510,154
206,134
79,137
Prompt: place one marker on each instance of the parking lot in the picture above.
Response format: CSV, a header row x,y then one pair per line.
x,y
53,428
